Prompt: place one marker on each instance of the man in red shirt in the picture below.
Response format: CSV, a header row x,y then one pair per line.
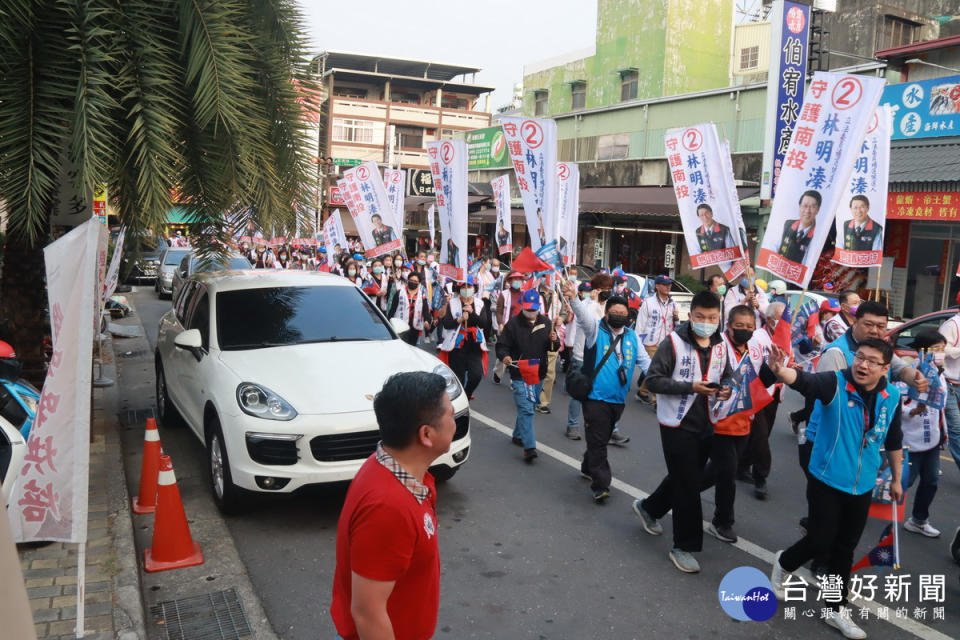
x,y
387,579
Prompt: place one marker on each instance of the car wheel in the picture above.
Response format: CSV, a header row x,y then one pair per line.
x,y
226,494
168,414
444,473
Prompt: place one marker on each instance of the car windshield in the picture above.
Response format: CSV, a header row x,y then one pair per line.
x,y
277,316
233,264
174,257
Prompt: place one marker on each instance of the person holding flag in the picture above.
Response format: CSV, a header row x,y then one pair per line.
x,y
860,413
413,307
464,347
507,306
656,319
523,345
748,293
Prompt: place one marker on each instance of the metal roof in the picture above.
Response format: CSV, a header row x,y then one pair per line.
x,y
393,66
919,47
936,160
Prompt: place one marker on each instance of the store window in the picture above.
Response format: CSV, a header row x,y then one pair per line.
x,y
628,85
749,58
540,103
578,95
347,130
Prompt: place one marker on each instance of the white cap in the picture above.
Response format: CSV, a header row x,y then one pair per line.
x,y
778,286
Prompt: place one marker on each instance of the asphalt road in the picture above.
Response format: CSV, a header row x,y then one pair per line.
x,y
527,554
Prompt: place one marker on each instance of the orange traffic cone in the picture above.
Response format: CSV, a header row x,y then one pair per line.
x,y
173,548
146,500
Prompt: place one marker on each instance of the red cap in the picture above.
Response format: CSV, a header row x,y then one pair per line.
x,y
6,351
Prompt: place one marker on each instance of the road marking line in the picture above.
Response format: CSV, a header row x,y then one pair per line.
x,y
911,626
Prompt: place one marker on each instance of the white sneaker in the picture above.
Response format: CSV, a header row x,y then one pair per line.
x,y
777,575
925,529
845,624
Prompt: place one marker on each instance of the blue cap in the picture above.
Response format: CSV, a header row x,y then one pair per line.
x,y
323,249
357,256
407,265
662,280
530,300
585,286
619,273
471,280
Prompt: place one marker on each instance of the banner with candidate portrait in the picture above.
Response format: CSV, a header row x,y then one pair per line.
x,y
568,210
448,166
334,236
366,198
532,144
703,191
395,181
862,215
826,141
501,197
733,270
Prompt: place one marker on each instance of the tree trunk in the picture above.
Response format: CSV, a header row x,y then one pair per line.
x,y
24,320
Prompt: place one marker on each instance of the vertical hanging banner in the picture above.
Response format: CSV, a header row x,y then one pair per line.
x,y
733,270
448,166
396,183
532,145
334,237
862,216
790,30
703,189
568,209
501,197
50,499
100,202
431,214
366,198
113,272
837,109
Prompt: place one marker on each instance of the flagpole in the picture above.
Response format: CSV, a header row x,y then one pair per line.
x,y
896,535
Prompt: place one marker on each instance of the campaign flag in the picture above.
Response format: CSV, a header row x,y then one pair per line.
x,y
438,298
748,393
431,214
837,110
550,254
528,262
936,395
49,501
881,500
733,270
703,191
532,144
882,555
530,370
501,196
862,213
448,166
395,181
366,198
113,272
801,319
782,335
334,235
568,210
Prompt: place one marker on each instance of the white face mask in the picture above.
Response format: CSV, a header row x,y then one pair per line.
x,y
466,292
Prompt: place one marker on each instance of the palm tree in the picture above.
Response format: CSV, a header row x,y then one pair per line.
x,y
151,97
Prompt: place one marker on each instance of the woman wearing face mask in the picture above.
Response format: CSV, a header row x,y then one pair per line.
x,y
464,346
351,271
283,259
508,306
411,305
380,287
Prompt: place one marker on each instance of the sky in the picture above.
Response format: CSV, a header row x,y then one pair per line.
x,y
499,36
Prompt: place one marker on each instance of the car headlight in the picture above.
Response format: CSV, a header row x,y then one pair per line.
x,y
260,402
453,385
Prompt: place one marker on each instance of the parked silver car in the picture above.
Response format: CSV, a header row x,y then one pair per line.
x,y
169,261
190,264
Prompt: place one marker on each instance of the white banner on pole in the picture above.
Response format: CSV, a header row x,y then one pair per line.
x,y
837,110
705,195
431,214
448,166
396,183
334,236
860,220
501,197
568,210
733,270
50,500
532,144
366,197
113,272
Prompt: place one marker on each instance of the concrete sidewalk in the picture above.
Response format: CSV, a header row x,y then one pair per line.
x,y
113,604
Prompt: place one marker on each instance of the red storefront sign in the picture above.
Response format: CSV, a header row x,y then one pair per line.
x,y
941,206
897,241
336,197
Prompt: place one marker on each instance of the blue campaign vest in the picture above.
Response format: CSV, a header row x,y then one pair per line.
x,y
843,456
848,347
606,386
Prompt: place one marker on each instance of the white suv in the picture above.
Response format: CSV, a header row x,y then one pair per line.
x,y
275,372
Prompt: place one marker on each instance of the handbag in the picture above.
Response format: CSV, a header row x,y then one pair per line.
x,y
579,384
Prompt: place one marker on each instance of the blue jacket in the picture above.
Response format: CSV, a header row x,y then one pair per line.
x,y
607,386
846,344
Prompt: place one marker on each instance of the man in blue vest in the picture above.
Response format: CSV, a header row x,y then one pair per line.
x,y
859,415
604,406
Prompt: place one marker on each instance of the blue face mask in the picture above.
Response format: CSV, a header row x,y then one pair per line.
x,y
515,284
421,262
378,270
704,329
722,289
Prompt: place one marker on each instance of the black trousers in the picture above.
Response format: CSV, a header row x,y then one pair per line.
x,y
725,451
467,364
686,454
836,523
599,418
757,454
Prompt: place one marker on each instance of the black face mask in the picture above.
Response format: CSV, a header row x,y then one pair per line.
x,y
603,296
742,336
413,286
616,321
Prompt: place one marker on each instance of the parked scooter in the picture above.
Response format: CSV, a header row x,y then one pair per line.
x,y
19,399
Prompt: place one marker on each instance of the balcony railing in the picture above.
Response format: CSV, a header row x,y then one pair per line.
x,y
466,119
347,107
419,115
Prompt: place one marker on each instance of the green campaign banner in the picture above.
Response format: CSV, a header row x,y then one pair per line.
x,y
487,149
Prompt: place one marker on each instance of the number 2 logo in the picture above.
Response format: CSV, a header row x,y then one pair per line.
x,y
363,173
692,139
532,133
563,171
446,152
846,94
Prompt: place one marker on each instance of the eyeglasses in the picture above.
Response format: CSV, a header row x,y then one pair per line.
x,y
872,363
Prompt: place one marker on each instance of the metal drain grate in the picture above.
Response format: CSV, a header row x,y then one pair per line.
x,y
214,616
136,417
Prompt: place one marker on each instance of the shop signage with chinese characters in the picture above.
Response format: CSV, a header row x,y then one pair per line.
x,y
935,206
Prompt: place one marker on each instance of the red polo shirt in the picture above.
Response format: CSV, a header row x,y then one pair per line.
x,y
385,534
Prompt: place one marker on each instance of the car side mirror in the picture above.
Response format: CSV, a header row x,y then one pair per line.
x,y
400,326
190,340
183,273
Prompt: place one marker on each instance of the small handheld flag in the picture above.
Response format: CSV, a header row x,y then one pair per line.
x,y
882,555
530,370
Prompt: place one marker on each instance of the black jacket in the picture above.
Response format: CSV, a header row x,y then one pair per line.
x,y
481,319
524,341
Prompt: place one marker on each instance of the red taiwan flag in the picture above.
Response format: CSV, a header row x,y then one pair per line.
x,y
530,370
371,288
528,262
783,333
882,555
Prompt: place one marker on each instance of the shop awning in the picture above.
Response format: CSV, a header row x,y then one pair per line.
x,y
933,160
652,201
